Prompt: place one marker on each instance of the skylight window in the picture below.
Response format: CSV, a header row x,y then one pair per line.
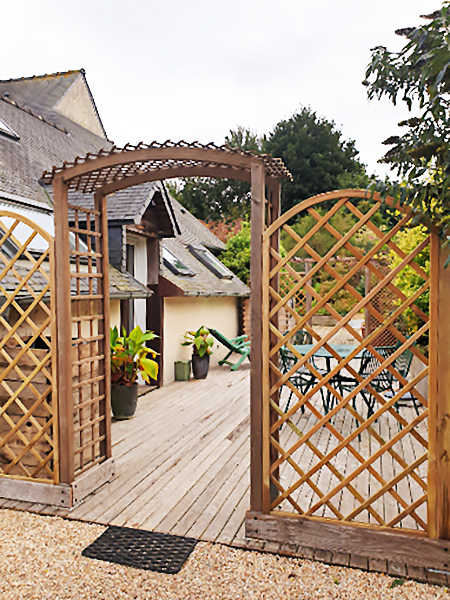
x,y
175,265
211,262
7,131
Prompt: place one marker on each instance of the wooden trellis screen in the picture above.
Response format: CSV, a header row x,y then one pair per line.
x,y
28,391
328,456
88,279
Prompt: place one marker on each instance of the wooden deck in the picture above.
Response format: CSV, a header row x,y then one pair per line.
x,y
182,467
182,463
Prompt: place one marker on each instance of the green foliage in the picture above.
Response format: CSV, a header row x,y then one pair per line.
x,y
221,199
419,76
313,151
408,280
236,255
129,356
200,341
322,241
318,159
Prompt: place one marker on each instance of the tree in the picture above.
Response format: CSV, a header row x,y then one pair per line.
x,y
221,199
236,255
318,159
419,76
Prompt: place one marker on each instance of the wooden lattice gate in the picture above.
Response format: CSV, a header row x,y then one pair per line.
x,y
28,392
349,432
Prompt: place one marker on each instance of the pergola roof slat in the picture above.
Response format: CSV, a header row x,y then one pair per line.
x,y
132,161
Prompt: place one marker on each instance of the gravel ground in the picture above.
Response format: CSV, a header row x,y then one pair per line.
x,y
41,559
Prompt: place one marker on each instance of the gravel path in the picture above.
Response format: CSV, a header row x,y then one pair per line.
x,y
41,559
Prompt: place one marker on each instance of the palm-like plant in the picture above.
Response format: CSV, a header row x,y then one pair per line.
x,y
200,340
129,356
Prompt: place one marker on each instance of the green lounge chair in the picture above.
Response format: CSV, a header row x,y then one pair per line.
x,y
239,345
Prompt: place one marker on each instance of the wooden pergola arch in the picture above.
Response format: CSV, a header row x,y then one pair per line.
x,y
104,173
80,371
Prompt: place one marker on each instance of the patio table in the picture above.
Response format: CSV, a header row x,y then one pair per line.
x,y
343,350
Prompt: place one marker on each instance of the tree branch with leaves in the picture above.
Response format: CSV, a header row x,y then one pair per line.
x,y
419,76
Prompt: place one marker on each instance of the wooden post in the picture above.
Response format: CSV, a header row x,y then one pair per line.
x,y
439,396
274,190
256,384
103,326
63,332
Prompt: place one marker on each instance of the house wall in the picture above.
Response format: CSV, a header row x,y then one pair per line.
x,y
76,104
140,273
114,313
185,313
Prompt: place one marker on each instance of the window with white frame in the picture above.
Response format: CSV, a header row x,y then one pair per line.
x,y
174,264
6,130
211,262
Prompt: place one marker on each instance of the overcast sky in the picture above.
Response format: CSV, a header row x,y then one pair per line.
x,y
194,69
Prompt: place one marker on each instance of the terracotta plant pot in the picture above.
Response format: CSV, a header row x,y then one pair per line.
x,y
124,401
200,366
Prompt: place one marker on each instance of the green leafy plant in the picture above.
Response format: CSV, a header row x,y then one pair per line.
x,y
409,281
200,341
419,77
236,256
129,356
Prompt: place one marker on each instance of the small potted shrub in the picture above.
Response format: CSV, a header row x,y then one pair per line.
x,y
129,358
201,343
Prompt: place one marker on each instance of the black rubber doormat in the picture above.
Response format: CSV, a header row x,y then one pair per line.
x,y
149,550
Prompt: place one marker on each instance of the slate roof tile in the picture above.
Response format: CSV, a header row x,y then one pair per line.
x,y
121,285
40,146
204,282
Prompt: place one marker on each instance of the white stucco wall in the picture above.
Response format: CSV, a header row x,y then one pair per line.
x,y
140,270
183,314
114,313
140,273
76,104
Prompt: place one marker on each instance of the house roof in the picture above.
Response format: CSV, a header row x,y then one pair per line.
x,y
40,146
192,230
130,206
204,282
124,285
45,95
121,285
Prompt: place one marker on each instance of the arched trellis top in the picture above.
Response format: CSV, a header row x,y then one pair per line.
x,y
108,169
84,262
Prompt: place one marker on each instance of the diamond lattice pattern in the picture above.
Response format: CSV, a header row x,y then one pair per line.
x,y
28,434
348,435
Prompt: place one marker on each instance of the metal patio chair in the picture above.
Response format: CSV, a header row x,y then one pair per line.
x,y
385,383
302,379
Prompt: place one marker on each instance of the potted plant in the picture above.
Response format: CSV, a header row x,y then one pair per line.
x,y
201,343
129,358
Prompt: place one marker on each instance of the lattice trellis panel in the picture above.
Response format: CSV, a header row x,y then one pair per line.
x,y
28,393
346,447
88,337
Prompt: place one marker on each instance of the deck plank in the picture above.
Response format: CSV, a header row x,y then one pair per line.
x,y
182,463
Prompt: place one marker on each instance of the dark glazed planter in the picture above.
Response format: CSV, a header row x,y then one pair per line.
x,y
200,366
124,401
